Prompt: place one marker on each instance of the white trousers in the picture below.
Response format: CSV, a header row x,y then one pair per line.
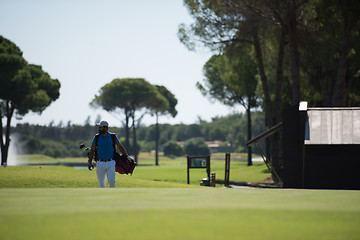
x,y
104,169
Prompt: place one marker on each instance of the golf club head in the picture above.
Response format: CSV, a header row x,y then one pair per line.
x,y
82,146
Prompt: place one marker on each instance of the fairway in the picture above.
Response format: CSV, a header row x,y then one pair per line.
x,y
58,202
178,213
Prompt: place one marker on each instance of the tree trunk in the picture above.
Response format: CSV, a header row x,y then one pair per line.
x,y
348,90
248,114
157,133
134,138
275,139
6,143
265,87
127,130
264,82
340,85
326,86
279,78
294,54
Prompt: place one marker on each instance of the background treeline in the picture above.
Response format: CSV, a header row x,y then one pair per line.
x,y
62,140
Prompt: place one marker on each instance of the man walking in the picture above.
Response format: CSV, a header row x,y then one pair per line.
x,y
104,145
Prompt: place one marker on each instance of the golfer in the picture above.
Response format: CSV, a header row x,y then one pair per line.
x,y
105,165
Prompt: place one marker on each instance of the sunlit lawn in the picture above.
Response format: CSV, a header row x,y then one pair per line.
x,y
168,171
178,213
59,202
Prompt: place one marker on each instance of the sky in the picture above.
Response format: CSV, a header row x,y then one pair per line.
x,y
85,44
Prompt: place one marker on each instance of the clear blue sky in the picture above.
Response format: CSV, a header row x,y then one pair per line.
x,y
85,44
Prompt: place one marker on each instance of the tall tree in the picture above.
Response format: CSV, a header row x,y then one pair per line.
x,y
348,17
163,109
130,95
333,34
220,24
232,81
24,87
320,39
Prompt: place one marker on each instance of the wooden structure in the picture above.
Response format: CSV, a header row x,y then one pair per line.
x,y
321,148
256,141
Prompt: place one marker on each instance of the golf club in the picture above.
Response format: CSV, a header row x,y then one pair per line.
x,y
82,145
87,149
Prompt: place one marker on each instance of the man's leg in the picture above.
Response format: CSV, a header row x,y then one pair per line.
x,y
111,174
101,173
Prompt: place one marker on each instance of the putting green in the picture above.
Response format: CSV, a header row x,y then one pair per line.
x,y
174,213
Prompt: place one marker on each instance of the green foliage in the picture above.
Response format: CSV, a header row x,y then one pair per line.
x,y
28,145
30,89
196,146
172,148
231,80
320,42
332,24
54,149
231,129
128,94
24,87
11,61
42,90
168,108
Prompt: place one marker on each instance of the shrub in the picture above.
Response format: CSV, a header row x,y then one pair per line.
x,y
196,146
171,148
49,152
28,144
147,146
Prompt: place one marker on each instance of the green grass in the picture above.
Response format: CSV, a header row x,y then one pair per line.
x,y
58,202
170,173
67,177
42,159
173,213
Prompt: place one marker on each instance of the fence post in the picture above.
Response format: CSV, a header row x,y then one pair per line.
x,y
213,180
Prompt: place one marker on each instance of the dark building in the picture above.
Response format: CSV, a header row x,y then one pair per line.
x,y
321,148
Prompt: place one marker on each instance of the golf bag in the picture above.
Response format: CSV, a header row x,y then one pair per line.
x,y
124,165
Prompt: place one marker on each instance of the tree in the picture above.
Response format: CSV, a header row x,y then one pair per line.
x,y
224,24
347,18
196,146
232,81
11,61
172,148
163,109
29,145
130,95
333,34
24,87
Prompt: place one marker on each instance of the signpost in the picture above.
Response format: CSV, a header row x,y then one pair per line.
x,y
198,162
227,170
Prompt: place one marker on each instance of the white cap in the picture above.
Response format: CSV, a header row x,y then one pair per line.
x,y
103,124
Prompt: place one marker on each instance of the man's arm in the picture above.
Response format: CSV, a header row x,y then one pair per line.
x,y
91,156
121,148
